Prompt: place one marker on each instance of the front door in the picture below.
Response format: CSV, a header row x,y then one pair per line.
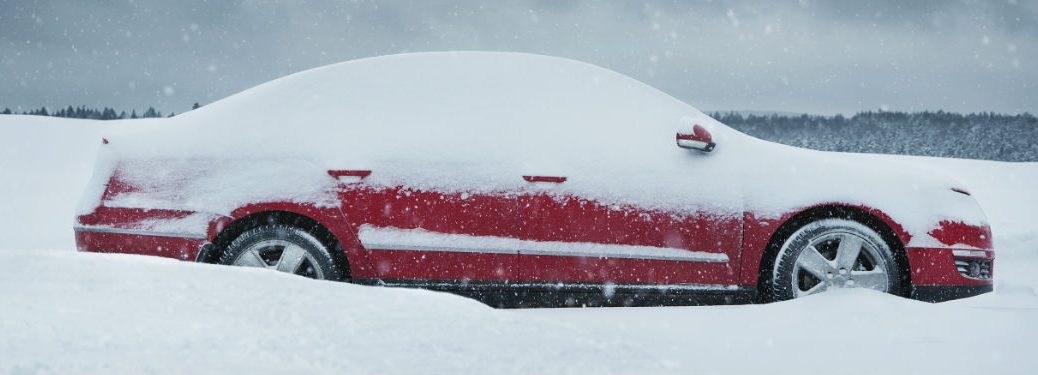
x,y
587,240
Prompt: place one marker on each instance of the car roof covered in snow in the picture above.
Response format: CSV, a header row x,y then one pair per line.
x,y
479,121
449,105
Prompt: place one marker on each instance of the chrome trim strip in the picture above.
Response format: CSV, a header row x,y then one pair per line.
x,y
393,247
722,258
677,258
137,232
560,285
969,253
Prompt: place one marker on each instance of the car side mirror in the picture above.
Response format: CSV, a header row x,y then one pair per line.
x,y
698,139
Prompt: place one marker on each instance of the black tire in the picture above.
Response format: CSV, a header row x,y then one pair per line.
x,y
317,262
825,234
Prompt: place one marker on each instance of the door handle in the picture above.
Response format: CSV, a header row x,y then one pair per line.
x,y
349,176
551,179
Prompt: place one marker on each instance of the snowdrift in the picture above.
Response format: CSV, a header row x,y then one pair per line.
x,y
81,313
67,312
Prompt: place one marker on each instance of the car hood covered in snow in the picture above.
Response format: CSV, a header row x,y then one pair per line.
x,y
476,121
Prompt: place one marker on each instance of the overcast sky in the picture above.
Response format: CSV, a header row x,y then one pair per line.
x,y
808,56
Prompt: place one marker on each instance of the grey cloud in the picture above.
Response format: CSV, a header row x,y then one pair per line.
x,y
812,56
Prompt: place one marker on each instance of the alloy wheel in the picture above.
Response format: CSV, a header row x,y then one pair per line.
x,y
839,260
280,255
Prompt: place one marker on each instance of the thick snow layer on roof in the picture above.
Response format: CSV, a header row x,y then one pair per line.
x,y
478,121
456,106
448,121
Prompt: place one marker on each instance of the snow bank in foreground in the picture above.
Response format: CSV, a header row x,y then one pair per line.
x,y
65,312
70,312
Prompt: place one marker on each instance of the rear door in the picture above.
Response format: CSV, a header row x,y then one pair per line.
x,y
411,234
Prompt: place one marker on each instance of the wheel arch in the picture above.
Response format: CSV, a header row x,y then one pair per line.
x,y
229,229
890,231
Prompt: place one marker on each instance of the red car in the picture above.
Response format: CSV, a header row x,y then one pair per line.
x,y
523,180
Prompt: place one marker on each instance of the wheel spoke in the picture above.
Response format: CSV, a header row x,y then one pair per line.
x,y
847,253
818,288
875,279
812,261
250,259
291,258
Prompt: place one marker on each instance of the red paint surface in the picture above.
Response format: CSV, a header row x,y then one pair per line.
x,y
435,265
959,234
489,214
699,133
931,266
115,186
169,247
620,270
528,215
546,216
128,218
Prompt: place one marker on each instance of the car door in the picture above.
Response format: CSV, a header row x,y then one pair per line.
x,y
612,221
412,234
594,242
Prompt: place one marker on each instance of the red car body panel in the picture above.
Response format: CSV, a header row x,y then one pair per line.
x,y
959,234
545,216
123,227
168,247
128,218
443,266
477,214
532,214
935,266
620,271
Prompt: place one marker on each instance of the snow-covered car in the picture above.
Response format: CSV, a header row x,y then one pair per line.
x,y
523,180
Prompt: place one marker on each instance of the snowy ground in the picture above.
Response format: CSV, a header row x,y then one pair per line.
x,y
66,312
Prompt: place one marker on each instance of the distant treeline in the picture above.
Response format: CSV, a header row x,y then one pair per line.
x,y
83,112
988,136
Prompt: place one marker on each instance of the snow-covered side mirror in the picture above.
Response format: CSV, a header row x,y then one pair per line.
x,y
697,139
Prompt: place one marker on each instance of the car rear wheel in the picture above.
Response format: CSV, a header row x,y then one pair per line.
x,y
282,248
833,253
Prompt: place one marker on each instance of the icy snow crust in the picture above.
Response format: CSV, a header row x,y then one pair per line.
x,y
477,122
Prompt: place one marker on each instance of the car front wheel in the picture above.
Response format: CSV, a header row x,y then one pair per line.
x,y
833,253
